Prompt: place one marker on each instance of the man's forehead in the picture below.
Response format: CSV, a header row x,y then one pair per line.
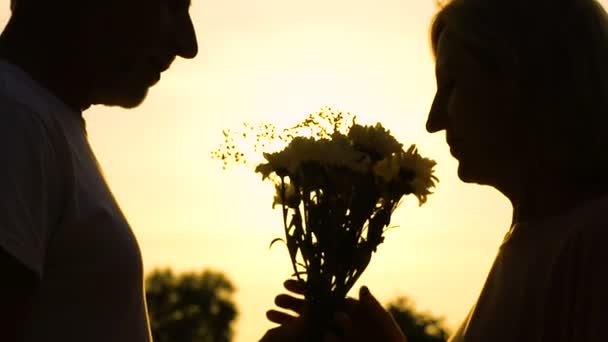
x,y
180,3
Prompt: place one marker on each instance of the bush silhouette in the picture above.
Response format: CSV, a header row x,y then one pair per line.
x,y
417,326
190,307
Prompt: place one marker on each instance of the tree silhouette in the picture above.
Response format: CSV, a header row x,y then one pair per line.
x,y
190,307
418,326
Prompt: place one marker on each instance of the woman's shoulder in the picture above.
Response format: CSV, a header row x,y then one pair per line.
x,y
567,238
591,218
586,237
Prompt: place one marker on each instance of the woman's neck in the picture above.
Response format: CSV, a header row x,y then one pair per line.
x,y
549,196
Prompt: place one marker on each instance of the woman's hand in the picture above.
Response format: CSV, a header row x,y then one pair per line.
x,y
293,302
365,320
293,325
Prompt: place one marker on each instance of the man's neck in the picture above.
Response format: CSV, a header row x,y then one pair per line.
x,y
46,62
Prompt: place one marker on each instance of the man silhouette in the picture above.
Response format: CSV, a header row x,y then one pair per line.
x,y
71,267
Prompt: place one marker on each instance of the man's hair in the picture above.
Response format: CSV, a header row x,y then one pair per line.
x,y
556,52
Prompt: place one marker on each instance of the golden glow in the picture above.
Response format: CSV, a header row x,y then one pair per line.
x,y
277,61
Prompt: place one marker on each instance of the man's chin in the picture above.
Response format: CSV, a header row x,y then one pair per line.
x,y
126,99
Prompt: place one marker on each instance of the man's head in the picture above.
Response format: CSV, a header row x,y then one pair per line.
x,y
121,46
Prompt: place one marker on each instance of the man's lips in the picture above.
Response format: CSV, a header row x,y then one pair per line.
x,y
158,66
451,140
161,64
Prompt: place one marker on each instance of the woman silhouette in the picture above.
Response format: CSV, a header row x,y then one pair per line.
x,y
522,95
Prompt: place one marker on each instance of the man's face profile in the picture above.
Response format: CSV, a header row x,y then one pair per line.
x,y
128,43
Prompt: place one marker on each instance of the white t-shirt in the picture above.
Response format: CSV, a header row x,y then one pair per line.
x,y
549,282
59,218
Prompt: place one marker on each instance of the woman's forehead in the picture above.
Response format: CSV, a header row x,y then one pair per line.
x,y
452,48
449,44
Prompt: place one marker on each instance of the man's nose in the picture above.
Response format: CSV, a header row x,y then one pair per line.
x,y
187,46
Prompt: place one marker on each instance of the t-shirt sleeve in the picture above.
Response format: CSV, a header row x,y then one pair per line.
x,y
28,183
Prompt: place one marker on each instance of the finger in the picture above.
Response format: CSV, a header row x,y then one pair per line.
x,y
291,331
295,286
371,303
279,317
290,303
273,335
380,316
279,334
374,309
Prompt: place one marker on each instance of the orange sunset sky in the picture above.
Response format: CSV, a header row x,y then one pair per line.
x,y
277,61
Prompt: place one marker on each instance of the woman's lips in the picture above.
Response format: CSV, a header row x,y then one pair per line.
x,y
454,149
453,152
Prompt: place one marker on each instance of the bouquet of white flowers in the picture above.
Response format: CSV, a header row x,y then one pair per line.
x,y
337,183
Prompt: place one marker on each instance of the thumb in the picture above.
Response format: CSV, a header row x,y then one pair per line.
x,y
371,304
379,316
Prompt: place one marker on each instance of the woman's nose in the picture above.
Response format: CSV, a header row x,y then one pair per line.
x,y
436,120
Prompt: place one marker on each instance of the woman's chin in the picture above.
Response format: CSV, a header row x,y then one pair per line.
x,y
476,175
468,174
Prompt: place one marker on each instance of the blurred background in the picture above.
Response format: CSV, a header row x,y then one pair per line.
x,y
277,61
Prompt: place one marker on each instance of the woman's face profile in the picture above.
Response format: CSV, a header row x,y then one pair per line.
x,y
475,106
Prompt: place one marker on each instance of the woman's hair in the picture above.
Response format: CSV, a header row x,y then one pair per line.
x,y
557,53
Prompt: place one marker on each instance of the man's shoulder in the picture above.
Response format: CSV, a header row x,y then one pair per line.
x,y
9,104
24,126
20,93
16,116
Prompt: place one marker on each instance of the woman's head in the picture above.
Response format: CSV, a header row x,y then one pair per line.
x,y
521,84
